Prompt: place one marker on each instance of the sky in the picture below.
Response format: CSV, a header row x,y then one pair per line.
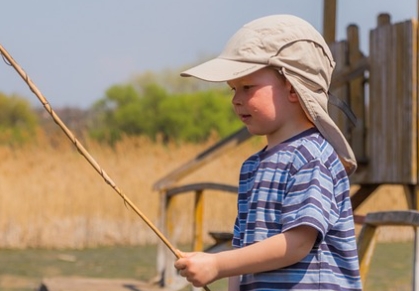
x,y
75,50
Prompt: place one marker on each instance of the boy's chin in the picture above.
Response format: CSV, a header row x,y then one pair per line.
x,y
254,131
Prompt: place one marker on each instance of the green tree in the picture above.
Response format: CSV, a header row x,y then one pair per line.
x,y
18,122
194,117
146,108
107,123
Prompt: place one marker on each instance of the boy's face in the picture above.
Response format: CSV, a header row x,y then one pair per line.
x,y
267,104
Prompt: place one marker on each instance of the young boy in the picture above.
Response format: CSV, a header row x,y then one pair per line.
x,y
294,228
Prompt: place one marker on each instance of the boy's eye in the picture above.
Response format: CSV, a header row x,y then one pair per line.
x,y
243,88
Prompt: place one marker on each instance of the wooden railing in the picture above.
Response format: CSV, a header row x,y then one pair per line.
x,y
165,260
198,211
367,238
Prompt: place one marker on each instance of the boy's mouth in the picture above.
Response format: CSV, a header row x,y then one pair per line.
x,y
244,117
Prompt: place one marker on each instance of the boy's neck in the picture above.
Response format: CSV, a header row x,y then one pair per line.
x,y
287,133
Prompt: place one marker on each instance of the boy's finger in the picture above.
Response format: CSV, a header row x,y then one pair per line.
x,y
179,265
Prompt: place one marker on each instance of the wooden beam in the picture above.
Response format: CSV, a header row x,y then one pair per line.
x,y
329,20
349,73
366,244
364,191
203,158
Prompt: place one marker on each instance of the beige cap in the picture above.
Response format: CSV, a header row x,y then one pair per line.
x,y
300,52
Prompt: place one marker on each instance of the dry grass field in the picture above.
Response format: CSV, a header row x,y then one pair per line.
x,y
50,197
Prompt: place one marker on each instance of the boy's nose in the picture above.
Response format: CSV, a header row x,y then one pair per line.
x,y
236,99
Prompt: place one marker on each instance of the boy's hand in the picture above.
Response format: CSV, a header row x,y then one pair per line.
x,y
198,268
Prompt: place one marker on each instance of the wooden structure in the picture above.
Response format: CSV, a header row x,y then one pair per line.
x,y
382,90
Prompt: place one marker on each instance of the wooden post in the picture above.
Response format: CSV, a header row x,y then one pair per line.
x,y
412,195
366,245
170,275
383,19
199,221
339,50
329,20
415,276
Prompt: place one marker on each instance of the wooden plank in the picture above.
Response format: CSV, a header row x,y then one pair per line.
x,y
397,218
364,191
201,186
95,284
339,51
357,96
391,140
348,85
343,75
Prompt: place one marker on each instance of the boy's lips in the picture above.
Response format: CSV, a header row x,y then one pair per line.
x,y
244,117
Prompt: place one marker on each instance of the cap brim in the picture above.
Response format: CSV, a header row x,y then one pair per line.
x,y
221,70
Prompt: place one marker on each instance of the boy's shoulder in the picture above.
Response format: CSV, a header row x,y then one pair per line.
x,y
303,149
309,143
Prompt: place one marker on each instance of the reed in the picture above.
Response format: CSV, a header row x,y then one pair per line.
x,y
50,197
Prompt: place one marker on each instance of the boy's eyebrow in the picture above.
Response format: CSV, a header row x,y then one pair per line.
x,y
231,82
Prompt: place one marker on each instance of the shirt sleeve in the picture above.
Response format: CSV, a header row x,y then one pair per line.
x,y
236,241
309,199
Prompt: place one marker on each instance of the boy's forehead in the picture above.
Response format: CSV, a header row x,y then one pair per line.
x,y
253,76
246,77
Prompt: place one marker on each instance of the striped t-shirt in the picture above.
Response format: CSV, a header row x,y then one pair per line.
x,y
299,182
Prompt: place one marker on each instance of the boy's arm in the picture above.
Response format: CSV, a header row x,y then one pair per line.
x,y
272,253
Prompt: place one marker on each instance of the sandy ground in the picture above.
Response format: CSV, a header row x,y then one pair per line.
x,y
10,282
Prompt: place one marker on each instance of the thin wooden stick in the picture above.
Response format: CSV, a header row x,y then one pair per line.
x,y
84,152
